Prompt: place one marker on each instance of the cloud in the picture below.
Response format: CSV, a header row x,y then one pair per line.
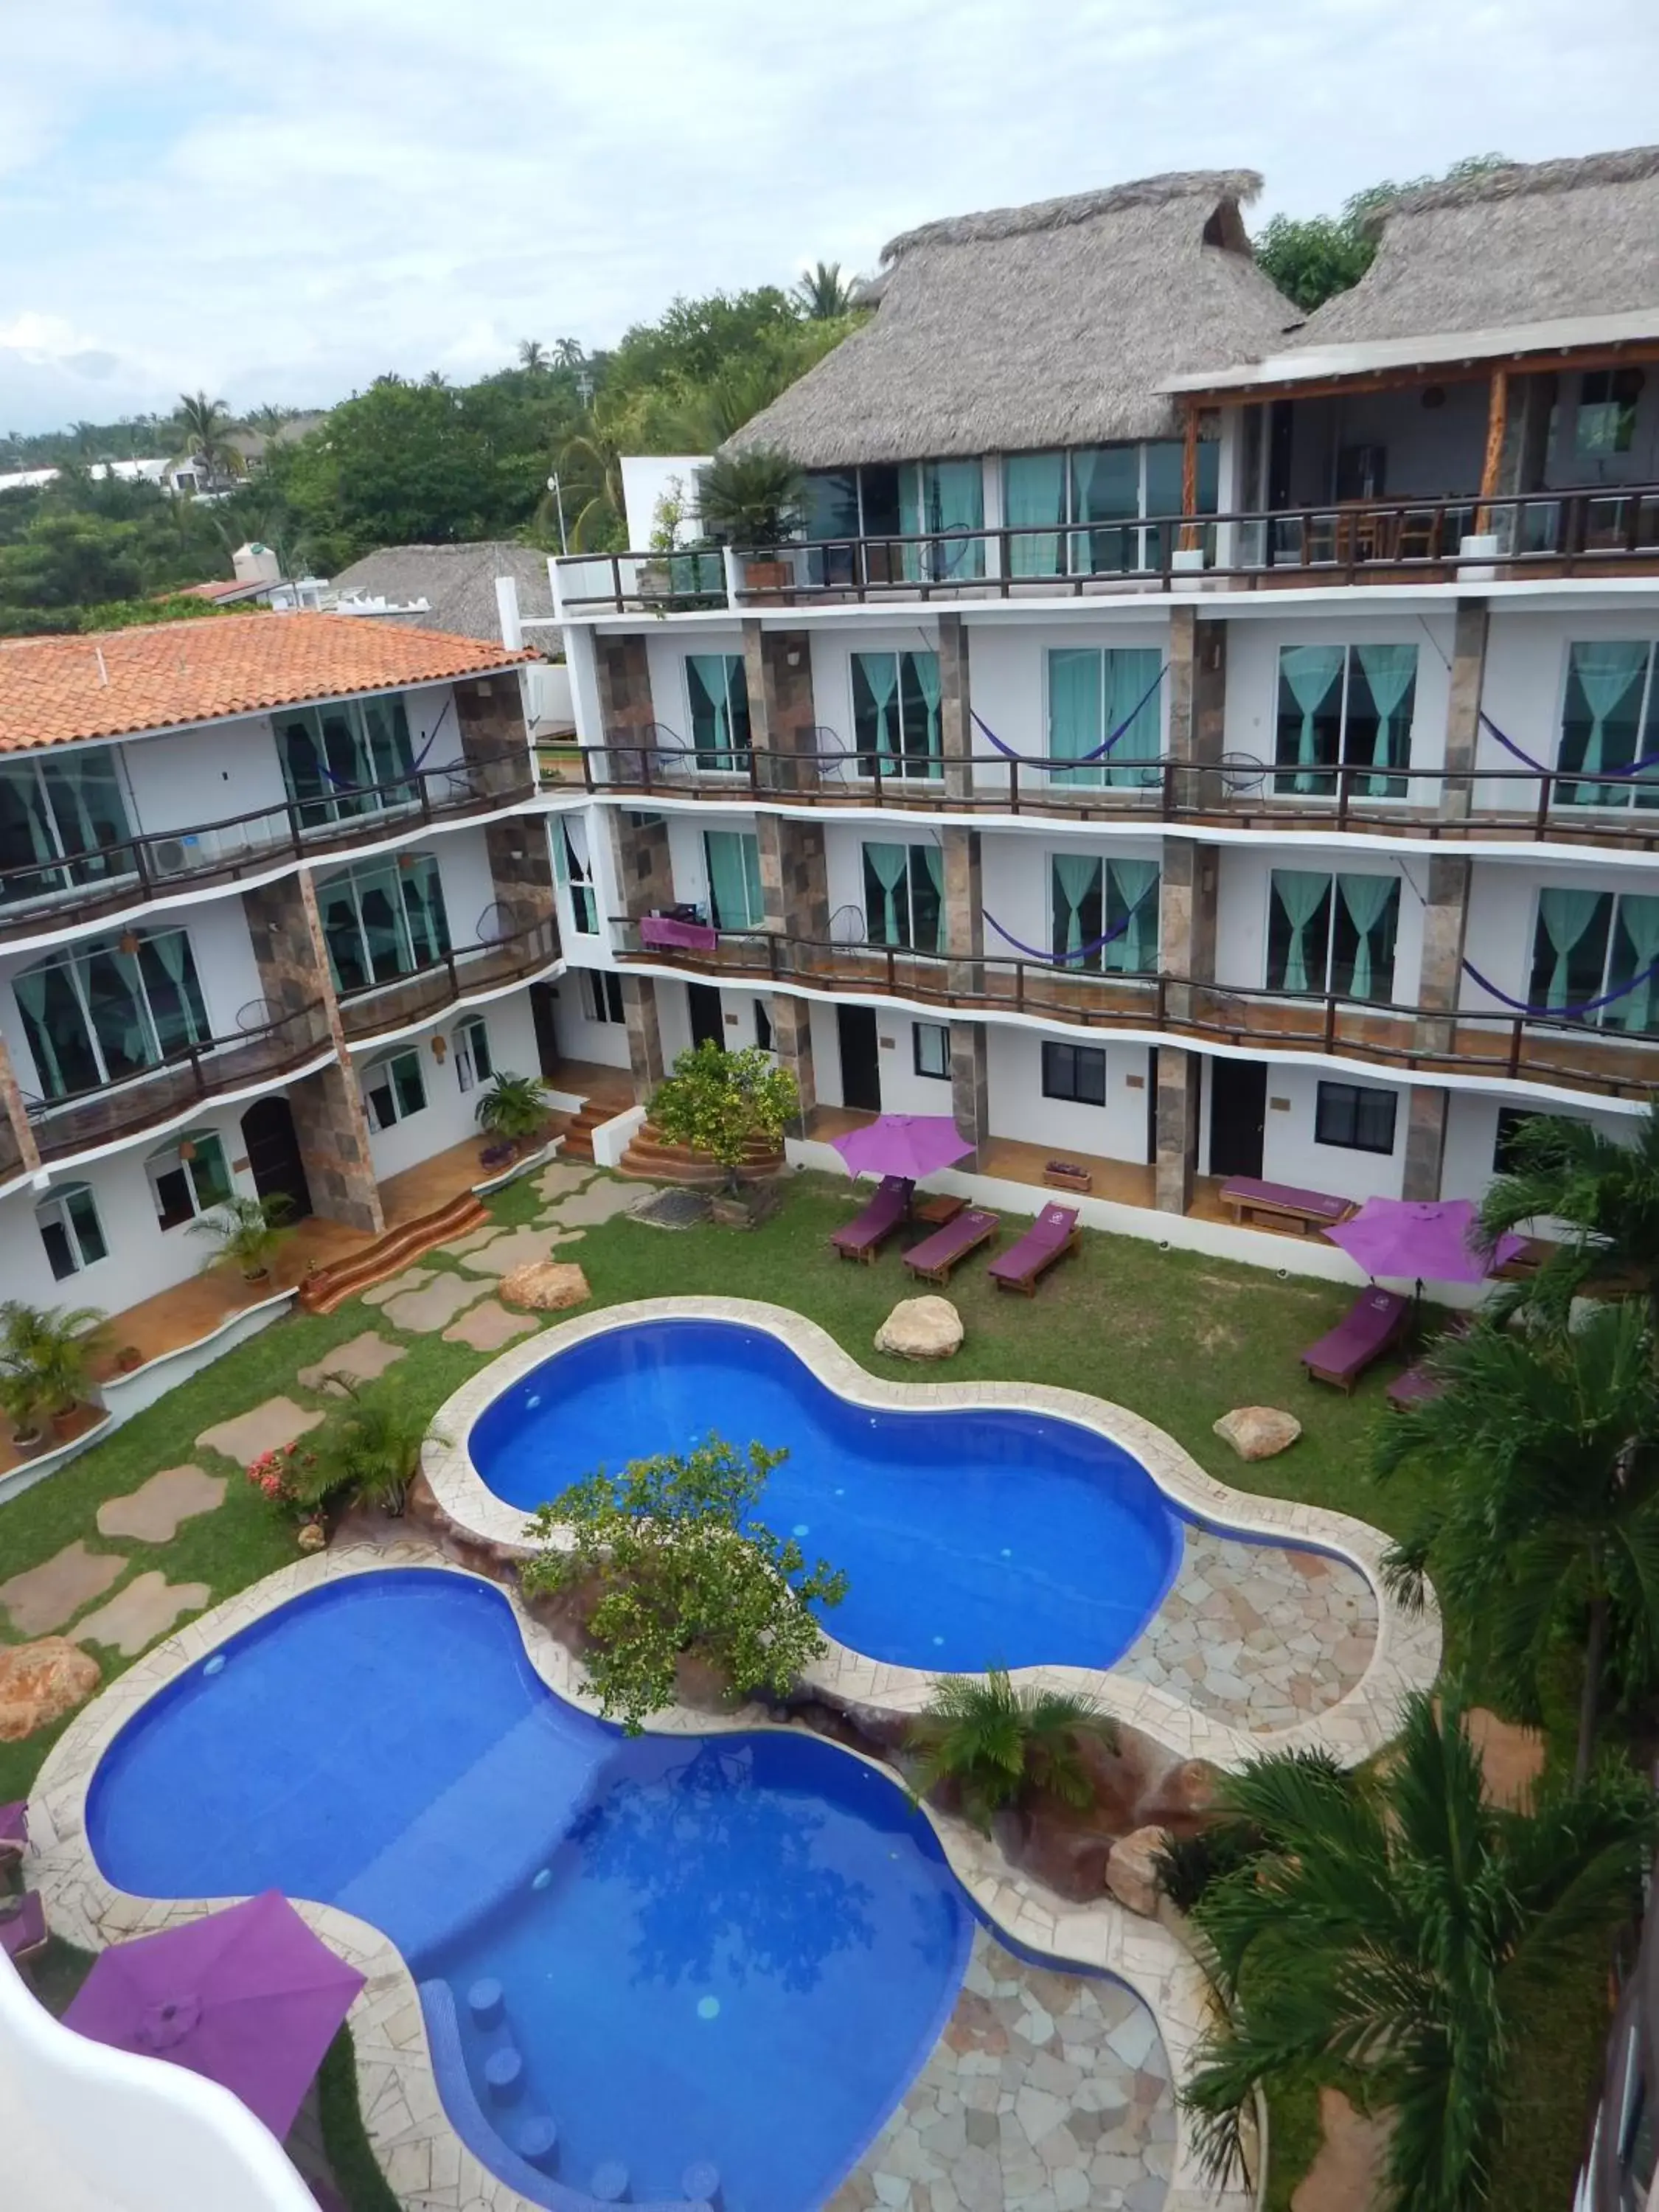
x,y
189,199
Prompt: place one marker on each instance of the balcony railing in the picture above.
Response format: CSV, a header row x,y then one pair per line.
x,y
1578,531
157,864
1398,1037
102,1114
1238,792
372,1010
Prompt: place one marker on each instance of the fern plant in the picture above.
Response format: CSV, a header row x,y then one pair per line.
x,y
1000,1745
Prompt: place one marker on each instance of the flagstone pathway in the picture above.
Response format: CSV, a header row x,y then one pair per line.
x,y
155,1512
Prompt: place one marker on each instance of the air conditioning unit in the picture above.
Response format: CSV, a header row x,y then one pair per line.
x,y
170,856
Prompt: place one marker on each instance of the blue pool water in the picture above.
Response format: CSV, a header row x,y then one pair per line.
x,y
735,1950
970,1539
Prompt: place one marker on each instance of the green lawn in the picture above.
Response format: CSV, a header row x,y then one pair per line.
x,y
1177,1338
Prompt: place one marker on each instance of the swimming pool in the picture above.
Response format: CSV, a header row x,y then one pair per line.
x,y
731,1951
969,1538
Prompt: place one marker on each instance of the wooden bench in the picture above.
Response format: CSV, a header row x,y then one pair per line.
x,y
1270,1204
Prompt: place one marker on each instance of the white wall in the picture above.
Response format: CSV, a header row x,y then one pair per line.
x,y
447,1116
902,1091
194,776
84,2128
826,1052
1291,1155
1115,1131
646,478
1242,890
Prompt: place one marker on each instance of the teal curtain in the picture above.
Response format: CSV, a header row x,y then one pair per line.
x,y
932,858
1637,929
1074,881
734,890
887,863
1564,916
1075,711
1605,673
1309,670
1367,899
720,718
880,673
937,498
1300,894
1390,671
1033,501
1129,678
923,669
1131,885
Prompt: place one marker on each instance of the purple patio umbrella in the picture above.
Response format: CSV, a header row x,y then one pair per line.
x,y
1420,1241
907,1145
249,1997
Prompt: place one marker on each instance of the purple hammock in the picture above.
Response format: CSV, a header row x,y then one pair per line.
x,y
1100,751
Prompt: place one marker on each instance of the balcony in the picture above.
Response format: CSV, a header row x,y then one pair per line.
x,y
379,1009
265,1051
158,863
1401,1040
1582,531
1240,791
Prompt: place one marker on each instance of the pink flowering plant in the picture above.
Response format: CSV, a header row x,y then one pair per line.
x,y
282,1475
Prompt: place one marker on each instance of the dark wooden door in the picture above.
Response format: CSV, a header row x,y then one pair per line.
x,y
861,1060
273,1156
708,1022
542,1001
1238,1115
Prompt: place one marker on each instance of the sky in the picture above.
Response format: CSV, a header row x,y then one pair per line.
x,y
278,205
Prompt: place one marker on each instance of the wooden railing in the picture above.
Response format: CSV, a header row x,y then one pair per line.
x,y
157,864
1575,531
371,1010
1397,1037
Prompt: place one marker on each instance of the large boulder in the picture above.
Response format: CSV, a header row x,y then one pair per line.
x,y
40,1682
921,1328
1132,1870
1258,1431
546,1286
1066,1849
1182,1798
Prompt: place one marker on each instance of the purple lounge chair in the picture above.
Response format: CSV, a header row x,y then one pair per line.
x,y
933,1260
1363,1335
23,1926
1419,1382
14,1830
1050,1236
1267,1203
863,1236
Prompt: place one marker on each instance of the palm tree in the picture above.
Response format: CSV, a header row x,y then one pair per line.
x,y
590,459
1395,1926
999,1745
533,356
513,1109
567,353
1545,1509
1607,1194
204,423
822,293
373,1454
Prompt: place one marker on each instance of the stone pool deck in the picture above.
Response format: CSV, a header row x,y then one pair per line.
x,y
1090,2066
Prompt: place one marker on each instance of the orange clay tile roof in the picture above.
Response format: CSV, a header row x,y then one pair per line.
x,y
110,682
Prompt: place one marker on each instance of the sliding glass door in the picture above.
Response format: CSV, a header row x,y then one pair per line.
x,y
63,825
383,920
110,1009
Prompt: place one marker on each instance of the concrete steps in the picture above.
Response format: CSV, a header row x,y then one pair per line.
x,y
655,1158
579,1134
331,1286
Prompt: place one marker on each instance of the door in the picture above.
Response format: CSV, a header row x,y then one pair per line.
x,y
1238,1115
708,1022
542,1000
860,1062
273,1156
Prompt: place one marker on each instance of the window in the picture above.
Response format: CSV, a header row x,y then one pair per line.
x,y
1104,913
1331,935
70,1230
1511,1119
1355,1116
938,499
110,1008
347,759
1071,509
1609,720
473,1063
1607,400
895,725
383,919
731,862
1351,704
904,895
943,499
763,1025
1591,946
393,1089
574,866
188,1178
62,823
930,1049
1074,1071
601,994
1101,698
718,694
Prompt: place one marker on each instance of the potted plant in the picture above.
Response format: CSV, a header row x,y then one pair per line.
x,y
755,502
247,1232
45,1354
512,1111
129,1359
732,1105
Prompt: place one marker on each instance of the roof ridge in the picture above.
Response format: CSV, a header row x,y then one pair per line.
x,y
1240,186
1629,166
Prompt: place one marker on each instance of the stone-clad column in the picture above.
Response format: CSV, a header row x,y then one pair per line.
x,y
1425,1141
795,887
1187,918
521,871
489,711
1179,1075
1470,629
1197,683
777,666
640,862
970,1086
626,713
956,719
645,1054
792,1041
964,913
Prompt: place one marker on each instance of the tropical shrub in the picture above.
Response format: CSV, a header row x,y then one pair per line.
x,y
1001,1745
682,1567
753,500
46,1355
371,1454
513,1108
724,1103
1605,1192
247,1232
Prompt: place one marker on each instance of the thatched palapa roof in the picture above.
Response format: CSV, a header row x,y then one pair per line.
x,y
1532,243
1042,325
458,583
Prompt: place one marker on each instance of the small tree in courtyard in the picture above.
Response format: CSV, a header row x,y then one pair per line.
x,y
726,1104
683,1567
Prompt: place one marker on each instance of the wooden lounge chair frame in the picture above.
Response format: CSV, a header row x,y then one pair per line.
x,y
1028,1279
939,1272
